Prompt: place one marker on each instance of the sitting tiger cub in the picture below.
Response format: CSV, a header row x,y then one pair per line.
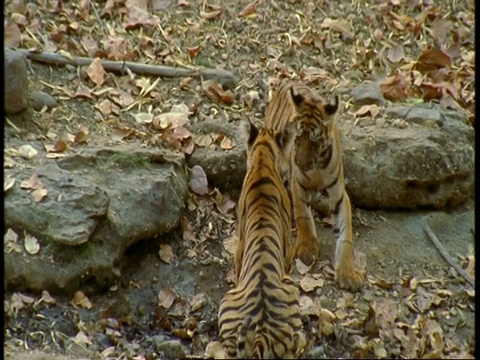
x,y
260,317
316,165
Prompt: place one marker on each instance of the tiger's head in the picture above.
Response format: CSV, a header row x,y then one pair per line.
x,y
268,143
312,110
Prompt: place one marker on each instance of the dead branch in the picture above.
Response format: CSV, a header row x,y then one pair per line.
x,y
446,256
223,76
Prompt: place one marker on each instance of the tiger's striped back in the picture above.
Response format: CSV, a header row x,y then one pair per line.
x,y
259,318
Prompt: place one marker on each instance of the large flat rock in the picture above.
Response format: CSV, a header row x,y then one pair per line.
x,y
406,163
99,202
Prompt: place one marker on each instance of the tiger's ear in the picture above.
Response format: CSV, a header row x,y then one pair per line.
x,y
250,133
296,97
284,140
332,107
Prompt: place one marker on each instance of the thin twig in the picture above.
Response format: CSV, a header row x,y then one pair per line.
x,y
447,257
100,21
139,68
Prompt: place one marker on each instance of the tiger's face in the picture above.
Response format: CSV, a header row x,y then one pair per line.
x,y
314,114
314,121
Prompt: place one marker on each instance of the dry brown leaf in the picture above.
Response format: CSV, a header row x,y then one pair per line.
x,y
424,299
305,303
198,301
198,180
182,133
309,283
301,267
248,10
90,45
341,26
378,34
215,92
107,10
160,5
215,350
325,322
398,25
166,253
166,297
170,120
105,107
8,183
12,35
95,72
143,118
138,14
191,253
203,140
183,334
346,301
16,6
381,316
33,183
31,244
227,143
60,146
365,110
82,339
18,301
39,194
210,15
185,82
441,29
189,147
433,59
80,300
431,91
383,284
230,244
119,134
193,51
395,88
83,92
81,136
226,206
47,298
55,155
395,54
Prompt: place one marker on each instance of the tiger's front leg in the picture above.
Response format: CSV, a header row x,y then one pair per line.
x,y
346,274
307,245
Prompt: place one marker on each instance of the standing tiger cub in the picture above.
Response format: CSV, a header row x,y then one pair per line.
x,y
260,317
316,165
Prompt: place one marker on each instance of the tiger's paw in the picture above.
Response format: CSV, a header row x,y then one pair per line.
x,y
349,278
307,252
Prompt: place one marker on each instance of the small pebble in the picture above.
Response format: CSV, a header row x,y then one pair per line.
x,y
41,99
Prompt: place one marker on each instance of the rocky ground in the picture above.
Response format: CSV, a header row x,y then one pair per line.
x,y
120,188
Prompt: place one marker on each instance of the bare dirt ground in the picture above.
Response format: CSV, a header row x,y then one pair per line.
x,y
400,260
413,304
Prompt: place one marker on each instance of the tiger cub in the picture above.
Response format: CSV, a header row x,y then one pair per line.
x,y
260,318
316,165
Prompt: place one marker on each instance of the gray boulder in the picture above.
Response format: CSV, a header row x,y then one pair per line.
x,y
368,93
429,164
225,169
99,202
16,93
